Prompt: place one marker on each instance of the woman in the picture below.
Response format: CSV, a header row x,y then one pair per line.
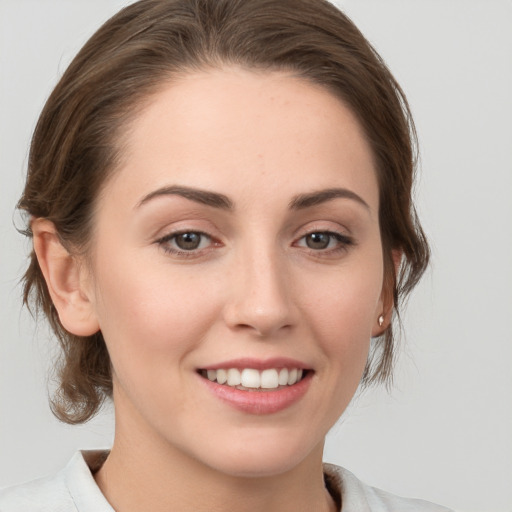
x,y
220,202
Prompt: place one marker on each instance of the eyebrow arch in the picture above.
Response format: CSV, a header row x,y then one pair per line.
x,y
194,194
303,201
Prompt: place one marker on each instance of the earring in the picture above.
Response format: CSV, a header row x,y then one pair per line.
x,y
381,320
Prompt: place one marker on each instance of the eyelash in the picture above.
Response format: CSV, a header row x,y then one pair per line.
x,y
344,242
164,244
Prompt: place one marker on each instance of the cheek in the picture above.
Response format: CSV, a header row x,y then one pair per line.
x,y
342,309
145,314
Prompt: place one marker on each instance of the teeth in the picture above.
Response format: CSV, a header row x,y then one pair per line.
x,y
251,378
271,378
234,378
292,377
222,376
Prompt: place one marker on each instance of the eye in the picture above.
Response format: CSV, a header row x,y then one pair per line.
x,y
318,240
189,241
185,241
325,241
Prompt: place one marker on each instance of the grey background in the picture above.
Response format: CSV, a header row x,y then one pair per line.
x,y
444,432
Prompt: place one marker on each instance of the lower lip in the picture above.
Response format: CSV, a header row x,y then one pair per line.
x,y
260,402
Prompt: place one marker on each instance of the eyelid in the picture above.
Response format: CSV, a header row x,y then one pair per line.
x,y
158,223
334,234
342,237
324,226
345,241
163,241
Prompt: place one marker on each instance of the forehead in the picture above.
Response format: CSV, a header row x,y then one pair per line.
x,y
233,130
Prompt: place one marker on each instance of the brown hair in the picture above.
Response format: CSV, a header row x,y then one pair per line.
x,y
76,144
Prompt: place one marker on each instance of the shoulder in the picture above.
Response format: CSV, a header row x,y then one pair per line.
x,y
72,489
356,496
40,495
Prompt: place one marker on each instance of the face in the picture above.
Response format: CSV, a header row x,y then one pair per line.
x,y
238,240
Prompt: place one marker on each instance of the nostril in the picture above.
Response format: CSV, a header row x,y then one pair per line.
x,y
261,304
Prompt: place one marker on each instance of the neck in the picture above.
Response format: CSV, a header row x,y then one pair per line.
x,y
143,473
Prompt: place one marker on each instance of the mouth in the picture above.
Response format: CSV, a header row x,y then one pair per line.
x,y
258,386
251,379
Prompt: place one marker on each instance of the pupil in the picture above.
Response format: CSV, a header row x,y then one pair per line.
x,y
188,241
317,240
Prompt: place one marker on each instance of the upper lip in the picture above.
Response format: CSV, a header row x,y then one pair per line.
x,y
258,364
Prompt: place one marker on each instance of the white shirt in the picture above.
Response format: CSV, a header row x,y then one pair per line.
x,y
73,489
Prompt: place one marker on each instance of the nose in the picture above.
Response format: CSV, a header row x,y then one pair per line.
x,y
260,295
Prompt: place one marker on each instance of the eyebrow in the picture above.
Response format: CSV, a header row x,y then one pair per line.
x,y
310,199
205,197
221,201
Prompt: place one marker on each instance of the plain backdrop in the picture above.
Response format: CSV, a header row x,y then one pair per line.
x,y
444,432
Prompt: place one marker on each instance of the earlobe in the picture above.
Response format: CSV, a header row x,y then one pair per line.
x,y
386,304
380,325
63,275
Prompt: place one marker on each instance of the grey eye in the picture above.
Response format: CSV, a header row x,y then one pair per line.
x,y
188,241
318,240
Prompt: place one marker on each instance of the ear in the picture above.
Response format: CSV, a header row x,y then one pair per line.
x,y
64,277
386,303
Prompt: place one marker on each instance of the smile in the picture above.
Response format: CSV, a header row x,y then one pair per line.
x,y
250,379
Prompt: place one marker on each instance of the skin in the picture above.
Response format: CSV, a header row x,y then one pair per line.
x,y
253,288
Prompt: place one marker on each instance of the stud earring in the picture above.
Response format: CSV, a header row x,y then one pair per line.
x,y
381,320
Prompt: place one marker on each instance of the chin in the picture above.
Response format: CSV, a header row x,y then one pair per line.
x,y
269,457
